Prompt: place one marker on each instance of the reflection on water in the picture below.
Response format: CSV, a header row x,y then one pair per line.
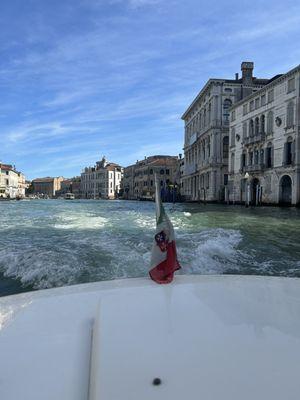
x,y
46,243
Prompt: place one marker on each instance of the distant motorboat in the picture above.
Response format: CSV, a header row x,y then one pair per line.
x,y
69,196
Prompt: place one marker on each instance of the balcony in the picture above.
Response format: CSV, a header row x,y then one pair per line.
x,y
254,139
253,168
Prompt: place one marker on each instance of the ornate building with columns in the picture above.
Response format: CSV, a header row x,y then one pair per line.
x,y
206,139
264,156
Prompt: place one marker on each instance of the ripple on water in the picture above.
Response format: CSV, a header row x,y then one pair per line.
x,y
46,244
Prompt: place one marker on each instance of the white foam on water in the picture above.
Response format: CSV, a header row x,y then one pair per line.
x,y
81,221
211,251
187,214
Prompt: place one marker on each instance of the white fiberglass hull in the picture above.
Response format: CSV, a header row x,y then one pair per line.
x,y
204,337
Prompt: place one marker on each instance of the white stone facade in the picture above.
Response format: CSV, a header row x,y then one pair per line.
x,y
101,181
264,155
12,182
206,140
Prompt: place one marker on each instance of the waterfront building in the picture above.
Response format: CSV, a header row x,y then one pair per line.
x,y
12,182
264,156
139,181
206,139
47,186
103,180
71,185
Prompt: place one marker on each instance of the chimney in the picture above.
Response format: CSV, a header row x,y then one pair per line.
x,y
247,72
237,76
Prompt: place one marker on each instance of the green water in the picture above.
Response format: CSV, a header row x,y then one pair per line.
x,y
49,243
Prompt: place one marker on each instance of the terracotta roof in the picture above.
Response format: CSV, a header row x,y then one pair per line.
x,y
6,167
47,179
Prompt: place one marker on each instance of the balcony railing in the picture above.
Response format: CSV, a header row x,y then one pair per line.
x,y
254,139
253,168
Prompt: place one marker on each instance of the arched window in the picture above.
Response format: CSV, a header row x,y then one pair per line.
x,y
162,171
151,171
270,120
225,147
226,105
251,128
290,115
262,124
256,126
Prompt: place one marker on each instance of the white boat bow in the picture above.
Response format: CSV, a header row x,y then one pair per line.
x,y
201,337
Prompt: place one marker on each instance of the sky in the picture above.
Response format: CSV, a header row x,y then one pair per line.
x,y
80,79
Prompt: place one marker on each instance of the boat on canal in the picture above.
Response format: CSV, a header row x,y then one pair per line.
x,y
69,196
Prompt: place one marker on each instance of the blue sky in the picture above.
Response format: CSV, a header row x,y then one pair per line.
x,y
84,78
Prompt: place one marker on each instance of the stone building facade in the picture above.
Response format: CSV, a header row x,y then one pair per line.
x,y
47,186
103,180
206,139
139,179
264,156
12,182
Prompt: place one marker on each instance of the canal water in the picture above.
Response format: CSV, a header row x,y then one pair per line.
x,y
49,243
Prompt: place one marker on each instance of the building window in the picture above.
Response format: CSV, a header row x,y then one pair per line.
x,y
162,171
161,183
269,157
256,103
270,119
262,155
151,183
207,180
291,85
245,109
288,151
226,105
225,179
244,130
256,126
251,158
243,160
262,124
226,146
263,100
233,115
256,156
270,96
251,128
252,105
290,115
167,172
